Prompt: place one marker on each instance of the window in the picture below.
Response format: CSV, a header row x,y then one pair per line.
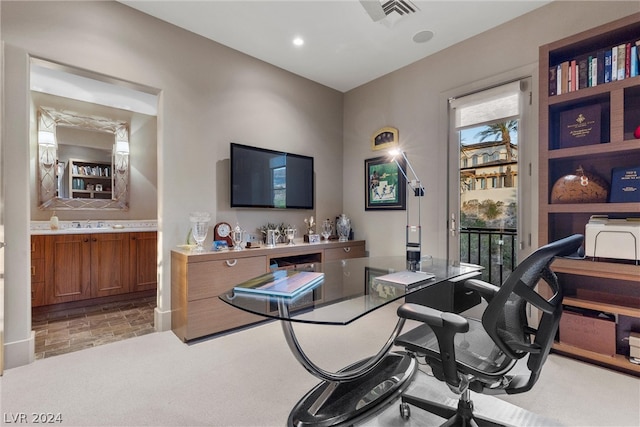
x,y
486,126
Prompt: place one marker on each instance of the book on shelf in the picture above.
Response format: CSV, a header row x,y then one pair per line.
x,y
600,67
614,63
281,283
553,82
621,61
605,65
627,60
583,72
625,185
593,72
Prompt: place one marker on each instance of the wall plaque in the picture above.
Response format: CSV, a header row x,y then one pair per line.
x,y
580,126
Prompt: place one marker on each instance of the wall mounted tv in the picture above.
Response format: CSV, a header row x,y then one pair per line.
x,y
262,178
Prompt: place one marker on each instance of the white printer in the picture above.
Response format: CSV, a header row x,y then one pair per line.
x,y
613,238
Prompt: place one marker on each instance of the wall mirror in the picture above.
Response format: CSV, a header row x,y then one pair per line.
x,y
83,122
83,161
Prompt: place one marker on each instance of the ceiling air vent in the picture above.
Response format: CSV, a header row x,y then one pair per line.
x,y
402,7
380,9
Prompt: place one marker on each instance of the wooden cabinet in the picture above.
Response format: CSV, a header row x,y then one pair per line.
x,y
143,253
197,279
67,268
610,286
346,251
37,271
88,180
109,264
75,267
82,266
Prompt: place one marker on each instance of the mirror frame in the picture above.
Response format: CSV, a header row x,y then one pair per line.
x,y
48,121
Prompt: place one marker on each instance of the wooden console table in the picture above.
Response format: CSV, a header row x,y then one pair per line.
x,y
198,278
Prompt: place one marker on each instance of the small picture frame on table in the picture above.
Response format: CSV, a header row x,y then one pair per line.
x,y
314,238
220,245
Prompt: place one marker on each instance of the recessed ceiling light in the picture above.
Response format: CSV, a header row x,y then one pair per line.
x,y
298,41
423,36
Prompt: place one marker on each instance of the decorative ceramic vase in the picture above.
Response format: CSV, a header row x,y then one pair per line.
x,y
343,226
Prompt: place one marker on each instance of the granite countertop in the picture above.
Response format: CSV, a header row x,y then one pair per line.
x,y
93,226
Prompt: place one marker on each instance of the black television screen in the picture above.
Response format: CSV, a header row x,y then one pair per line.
x,y
262,178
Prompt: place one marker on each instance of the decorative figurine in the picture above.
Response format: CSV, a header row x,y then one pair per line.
x,y
310,223
236,236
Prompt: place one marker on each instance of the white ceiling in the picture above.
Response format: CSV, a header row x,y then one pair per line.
x,y
344,47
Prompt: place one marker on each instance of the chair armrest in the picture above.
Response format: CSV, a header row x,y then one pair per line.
x,y
433,317
445,326
486,290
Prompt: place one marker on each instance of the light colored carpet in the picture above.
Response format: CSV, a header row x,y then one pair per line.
x,y
250,378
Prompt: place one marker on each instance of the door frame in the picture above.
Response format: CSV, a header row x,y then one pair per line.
x,y
527,162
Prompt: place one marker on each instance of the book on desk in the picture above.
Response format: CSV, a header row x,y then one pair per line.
x,y
281,283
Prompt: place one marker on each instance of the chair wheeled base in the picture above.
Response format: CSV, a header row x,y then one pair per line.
x,y
463,416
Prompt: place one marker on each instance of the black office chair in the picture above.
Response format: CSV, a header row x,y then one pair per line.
x,y
469,354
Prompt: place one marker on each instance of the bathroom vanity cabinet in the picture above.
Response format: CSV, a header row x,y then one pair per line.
x,y
71,267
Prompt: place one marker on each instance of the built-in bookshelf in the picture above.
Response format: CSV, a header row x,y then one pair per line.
x,y
607,286
570,71
88,179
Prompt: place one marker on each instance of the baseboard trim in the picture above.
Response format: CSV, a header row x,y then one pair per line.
x,y
19,353
162,320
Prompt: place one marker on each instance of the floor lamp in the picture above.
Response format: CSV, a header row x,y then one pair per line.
x,y
413,231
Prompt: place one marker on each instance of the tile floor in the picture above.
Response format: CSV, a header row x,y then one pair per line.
x,y
77,329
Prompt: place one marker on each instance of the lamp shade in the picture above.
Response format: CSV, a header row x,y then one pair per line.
x,y
47,139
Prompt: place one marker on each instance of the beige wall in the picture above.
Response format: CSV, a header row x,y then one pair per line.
x,y
414,99
211,95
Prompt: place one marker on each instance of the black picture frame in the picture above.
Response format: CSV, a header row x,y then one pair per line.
x,y
385,185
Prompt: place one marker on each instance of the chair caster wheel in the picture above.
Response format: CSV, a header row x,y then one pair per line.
x,y
405,411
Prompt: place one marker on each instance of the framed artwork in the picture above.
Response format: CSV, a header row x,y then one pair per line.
x,y
384,138
385,184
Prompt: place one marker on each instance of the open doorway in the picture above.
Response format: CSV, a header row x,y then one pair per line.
x,y
99,282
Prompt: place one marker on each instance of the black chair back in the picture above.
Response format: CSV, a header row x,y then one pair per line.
x,y
505,318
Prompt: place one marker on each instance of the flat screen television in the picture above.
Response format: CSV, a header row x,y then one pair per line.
x,y
262,178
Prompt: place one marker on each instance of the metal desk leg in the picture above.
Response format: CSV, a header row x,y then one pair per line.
x,y
353,392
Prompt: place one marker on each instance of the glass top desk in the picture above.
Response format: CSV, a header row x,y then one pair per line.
x,y
347,293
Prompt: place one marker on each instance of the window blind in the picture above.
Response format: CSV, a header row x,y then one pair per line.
x,y
488,106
